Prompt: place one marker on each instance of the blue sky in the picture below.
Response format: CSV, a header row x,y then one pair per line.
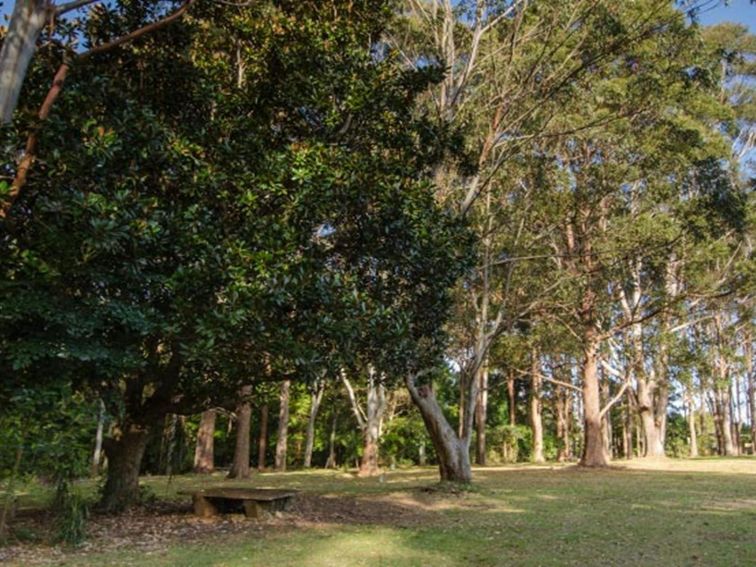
x,y
738,11
741,11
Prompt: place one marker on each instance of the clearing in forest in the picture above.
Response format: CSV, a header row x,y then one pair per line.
x,y
687,512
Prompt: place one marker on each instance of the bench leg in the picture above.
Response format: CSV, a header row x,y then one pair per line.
x,y
203,507
257,510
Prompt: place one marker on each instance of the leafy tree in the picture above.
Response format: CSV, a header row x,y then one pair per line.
x,y
237,198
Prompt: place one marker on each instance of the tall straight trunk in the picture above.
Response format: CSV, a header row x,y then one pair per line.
x,y
481,416
97,454
283,426
594,452
751,375
692,434
240,466
535,405
737,417
262,444
563,403
124,451
654,444
462,416
376,405
169,453
331,461
26,23
315,398
511,400
606,422
725,421
204,451
626,439
452,452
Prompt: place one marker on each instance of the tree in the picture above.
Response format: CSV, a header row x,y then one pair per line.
x,y
204,461
185,218
240,466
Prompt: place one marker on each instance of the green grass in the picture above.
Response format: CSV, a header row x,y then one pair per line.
x,y
676,513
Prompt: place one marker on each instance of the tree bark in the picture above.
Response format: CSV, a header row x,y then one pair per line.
x,y
331,461
97,454
536,421
511,399
452,452
315,398
240,466
562,404
748,349
26,23
124,452
283,426
376,405
204,452
594,451
481,416
654,444
693,437
262,445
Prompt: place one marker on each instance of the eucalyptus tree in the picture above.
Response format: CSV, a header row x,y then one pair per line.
x,y
518,73
190,233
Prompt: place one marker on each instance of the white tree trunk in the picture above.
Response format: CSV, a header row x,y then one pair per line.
x,y
26,23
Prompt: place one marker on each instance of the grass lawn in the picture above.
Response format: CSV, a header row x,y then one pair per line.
x,y
693,512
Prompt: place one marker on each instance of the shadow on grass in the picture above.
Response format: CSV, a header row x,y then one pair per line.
x,y
513,516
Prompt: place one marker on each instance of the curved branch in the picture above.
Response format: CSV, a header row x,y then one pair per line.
x,y
30,151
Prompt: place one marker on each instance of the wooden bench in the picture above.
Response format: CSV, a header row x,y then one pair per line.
x,y
254,502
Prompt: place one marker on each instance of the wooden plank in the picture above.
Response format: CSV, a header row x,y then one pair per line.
x,y
258,494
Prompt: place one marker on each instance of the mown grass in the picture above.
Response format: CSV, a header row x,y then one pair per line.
x,y
673,513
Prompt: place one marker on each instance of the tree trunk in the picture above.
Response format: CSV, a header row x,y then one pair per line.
x,y
315,398
204,452
283,426
736,416
481,416
511,400
654,444
536,422
26,23
376,405
240,466
124,452
562,423
692,425
751,390
726,422
262,445
594,452
452,452
97,455
331,461
627,422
